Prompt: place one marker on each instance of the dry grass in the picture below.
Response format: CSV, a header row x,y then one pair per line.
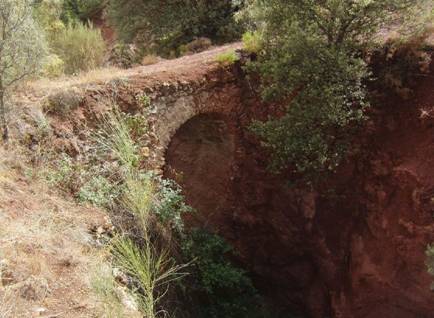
x,y
46,247
150,60
45,86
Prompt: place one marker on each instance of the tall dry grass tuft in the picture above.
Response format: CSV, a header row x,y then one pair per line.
x,y
152,268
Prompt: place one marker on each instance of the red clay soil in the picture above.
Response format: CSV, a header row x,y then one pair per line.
x,y
355,248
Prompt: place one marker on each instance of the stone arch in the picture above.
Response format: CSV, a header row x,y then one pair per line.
x,y
201,157
174,110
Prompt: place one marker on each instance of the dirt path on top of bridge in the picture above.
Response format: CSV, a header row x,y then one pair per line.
x,y
183,67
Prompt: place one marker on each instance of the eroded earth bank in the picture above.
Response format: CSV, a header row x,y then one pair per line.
x,y
354,246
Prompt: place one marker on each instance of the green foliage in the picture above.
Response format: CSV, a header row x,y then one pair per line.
x,y
170,204
81,47
173,23
225,290
311,61
80,10
47,13
98,191
315,132
63,174
227,58
144,100
252,42
53,66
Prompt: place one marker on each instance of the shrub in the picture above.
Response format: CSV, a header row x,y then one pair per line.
x,y
98,191
429,252
196,46
63,102
81,47
123,55
47,13
401,60
150,59
115,138
84,10
225,290
170,205
63,174
53,66
227,58
252,42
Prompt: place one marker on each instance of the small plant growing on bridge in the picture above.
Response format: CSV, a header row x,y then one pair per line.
x,y
144,100
227,58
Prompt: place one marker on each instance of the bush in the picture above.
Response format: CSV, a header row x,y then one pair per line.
x,y
81,47
196,46
225,290
98,191
252,42
47,13
170,205
63,102
150,59
84,10
227,58
401,60
53,66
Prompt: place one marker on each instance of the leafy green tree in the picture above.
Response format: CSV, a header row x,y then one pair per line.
x,y
312,60
22,47
168,24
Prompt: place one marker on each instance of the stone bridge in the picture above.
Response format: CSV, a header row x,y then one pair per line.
x,y
178,90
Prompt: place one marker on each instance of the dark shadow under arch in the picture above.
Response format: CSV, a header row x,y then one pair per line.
x,y
200,157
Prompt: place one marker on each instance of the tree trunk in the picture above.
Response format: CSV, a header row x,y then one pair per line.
x,y
3,121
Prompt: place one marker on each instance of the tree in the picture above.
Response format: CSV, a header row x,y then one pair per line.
x,y
312,60
171,23
21,49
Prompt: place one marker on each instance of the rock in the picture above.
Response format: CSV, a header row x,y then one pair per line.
x,y
38,311
127,299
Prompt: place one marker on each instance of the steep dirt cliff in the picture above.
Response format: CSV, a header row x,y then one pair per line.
x,y
353,248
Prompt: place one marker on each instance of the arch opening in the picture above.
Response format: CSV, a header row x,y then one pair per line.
x,y
200,157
